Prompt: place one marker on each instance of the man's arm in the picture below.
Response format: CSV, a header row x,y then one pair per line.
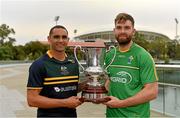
x,y
36,100
149,92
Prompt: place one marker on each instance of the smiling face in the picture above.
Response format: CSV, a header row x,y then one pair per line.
x,y
58,39
124,31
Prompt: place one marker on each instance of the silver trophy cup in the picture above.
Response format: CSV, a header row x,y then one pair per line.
x,y
94,53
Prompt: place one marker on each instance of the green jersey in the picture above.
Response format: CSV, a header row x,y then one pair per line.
x,y
128,73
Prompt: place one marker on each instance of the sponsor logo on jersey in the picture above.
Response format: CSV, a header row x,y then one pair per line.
x,y
64,89
122,77
57,89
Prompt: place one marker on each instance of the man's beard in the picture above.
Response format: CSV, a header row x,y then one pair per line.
x,y
123,42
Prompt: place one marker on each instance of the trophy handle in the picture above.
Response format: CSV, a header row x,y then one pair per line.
x,y
76,55
112,58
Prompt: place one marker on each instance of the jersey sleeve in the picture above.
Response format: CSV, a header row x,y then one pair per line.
x,y
147,69
36,75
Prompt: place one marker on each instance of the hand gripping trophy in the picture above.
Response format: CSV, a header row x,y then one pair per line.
x,y
94,52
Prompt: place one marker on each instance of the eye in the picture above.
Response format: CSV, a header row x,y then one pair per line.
x,y
64,37
127,27
118,27
56,36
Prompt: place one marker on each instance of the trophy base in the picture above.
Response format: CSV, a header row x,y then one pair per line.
x,y
97,101
95,94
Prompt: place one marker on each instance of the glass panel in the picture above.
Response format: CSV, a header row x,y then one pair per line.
x,y
168,100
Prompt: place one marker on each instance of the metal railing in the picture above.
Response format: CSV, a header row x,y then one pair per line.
x,y
168,101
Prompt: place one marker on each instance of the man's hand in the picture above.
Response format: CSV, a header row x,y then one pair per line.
x,y
113,102
73,102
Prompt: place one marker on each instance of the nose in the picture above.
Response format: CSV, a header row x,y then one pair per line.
x,y
122,30
60,39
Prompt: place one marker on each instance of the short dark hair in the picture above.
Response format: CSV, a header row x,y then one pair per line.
x,y
124,16
57,26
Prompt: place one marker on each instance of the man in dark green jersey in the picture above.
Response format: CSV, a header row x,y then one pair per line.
x,y
53,79
132,82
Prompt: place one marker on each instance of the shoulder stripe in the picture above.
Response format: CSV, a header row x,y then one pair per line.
x,y
120,66
34,87
155,72
60,82
61,78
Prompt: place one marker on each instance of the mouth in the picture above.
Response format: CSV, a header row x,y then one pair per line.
x,y
122,35
60,44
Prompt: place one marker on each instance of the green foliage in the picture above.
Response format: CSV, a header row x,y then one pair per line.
x,y
69,51
177,52
5,31
19,53
35,49
6,53
140,40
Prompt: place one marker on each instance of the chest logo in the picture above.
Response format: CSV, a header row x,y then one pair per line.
x,y
64,70
130,59
122,77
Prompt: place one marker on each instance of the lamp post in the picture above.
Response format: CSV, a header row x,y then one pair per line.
x,y
75,31
176,28
56,19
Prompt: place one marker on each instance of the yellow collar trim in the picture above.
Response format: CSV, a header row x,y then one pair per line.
x,y
51,56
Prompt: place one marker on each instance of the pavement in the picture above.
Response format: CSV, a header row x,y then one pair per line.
x,y
13,101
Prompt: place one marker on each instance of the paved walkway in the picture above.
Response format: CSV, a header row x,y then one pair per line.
x,y
13,96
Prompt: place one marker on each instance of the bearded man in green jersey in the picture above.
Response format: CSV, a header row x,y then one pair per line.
x,y
132,82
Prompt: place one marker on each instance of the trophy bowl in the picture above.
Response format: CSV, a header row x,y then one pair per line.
x,y
95,90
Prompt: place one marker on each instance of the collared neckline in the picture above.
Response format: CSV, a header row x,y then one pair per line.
x,y
132,45
50,55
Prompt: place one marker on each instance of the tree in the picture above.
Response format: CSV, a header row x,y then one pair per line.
x,y
19,53
171,48
35,49
5,31
140,40
177,52
6,53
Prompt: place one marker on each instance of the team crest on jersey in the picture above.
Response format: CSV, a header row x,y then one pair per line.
x,y
130,59
64,70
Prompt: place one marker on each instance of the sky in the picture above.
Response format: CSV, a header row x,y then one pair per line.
x,y
32,19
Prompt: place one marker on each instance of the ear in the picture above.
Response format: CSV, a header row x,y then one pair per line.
x,y
48,38
114,29
134,31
